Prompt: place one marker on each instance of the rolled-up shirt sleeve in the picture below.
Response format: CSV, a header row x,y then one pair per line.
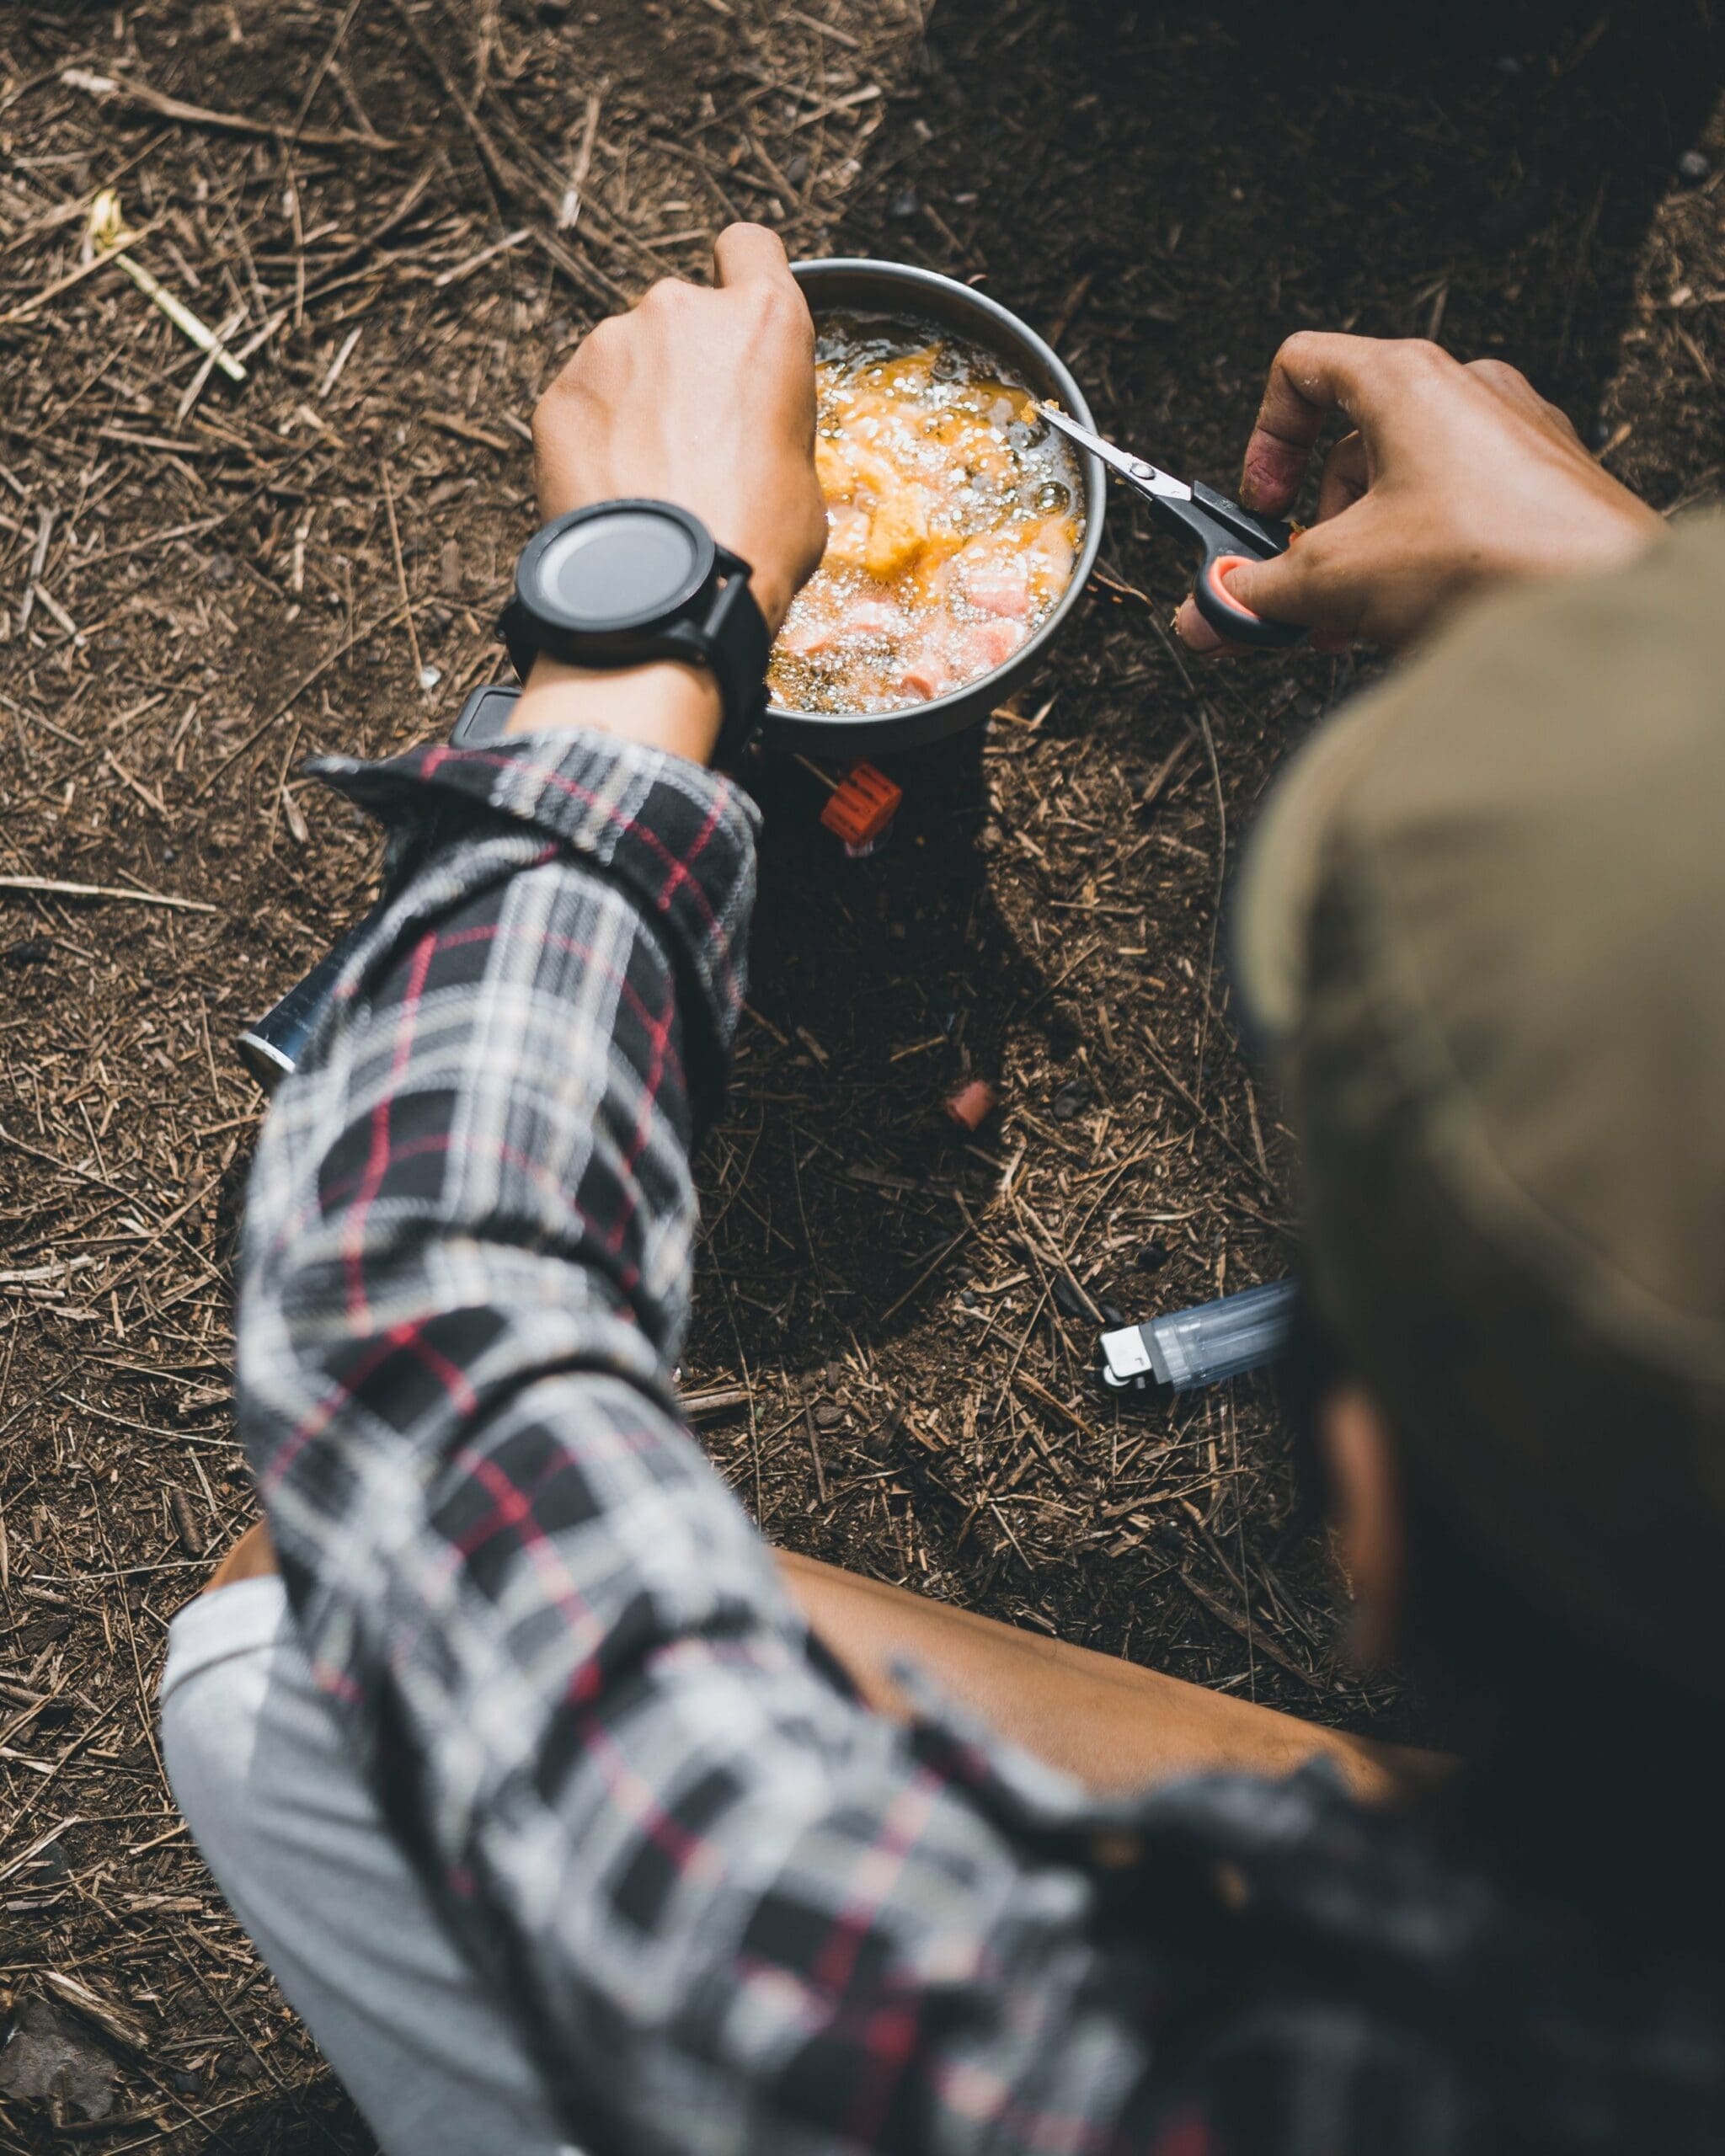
x,y
734,1909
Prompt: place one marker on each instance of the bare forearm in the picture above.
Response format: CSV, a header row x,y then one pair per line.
x,y
666,706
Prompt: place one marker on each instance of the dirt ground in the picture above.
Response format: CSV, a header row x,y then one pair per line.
x,y
401,213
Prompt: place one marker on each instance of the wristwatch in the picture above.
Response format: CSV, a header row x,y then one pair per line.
x,y
626,581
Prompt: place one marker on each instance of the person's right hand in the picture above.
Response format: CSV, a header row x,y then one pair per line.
x,y
704,398
1454,477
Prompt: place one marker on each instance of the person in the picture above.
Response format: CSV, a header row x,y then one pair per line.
x,y
570,1818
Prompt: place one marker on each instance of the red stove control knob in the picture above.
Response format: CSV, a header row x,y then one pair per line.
x,y
861,805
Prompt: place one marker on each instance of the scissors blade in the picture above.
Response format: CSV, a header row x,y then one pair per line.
x,y
1135,471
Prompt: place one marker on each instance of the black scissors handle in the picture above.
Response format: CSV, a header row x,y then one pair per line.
x,y
1230,536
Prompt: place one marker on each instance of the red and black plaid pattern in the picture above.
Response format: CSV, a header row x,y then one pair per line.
x,y
737,1912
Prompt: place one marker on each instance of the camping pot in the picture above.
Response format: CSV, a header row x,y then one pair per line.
x,y
896,289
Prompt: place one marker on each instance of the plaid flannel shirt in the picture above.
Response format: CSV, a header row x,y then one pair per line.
x,y
734,1910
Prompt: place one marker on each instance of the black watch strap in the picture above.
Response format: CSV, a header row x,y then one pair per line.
x,y
730,638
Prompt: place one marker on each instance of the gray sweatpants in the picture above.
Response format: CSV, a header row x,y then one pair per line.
x,y
298,1846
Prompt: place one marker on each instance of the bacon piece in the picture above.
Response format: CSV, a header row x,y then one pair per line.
x,y
993,580
1054,551
927,670
869,617
808,636
979,647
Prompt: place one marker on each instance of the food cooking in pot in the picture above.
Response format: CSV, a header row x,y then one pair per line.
x,y
954,516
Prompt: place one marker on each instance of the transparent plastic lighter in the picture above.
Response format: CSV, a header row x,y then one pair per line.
x,y
1202,1345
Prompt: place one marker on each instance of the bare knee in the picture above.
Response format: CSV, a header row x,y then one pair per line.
x,y
252,1557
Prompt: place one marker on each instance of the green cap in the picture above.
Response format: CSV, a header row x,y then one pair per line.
x,y
1482,927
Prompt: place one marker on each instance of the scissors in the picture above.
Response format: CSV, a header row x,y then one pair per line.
x,y
1228,534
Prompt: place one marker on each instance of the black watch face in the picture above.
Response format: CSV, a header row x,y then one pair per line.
x,y
617,566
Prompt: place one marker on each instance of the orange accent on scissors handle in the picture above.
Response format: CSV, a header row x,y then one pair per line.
x,y
861,805
1229,616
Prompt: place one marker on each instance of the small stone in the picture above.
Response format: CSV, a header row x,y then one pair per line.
x,y
48,2056
222,568
1067,1297
28,951
796,171
905,203
1072,1099
429,676
1152,1257
1694,166
828,1416
187,2083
